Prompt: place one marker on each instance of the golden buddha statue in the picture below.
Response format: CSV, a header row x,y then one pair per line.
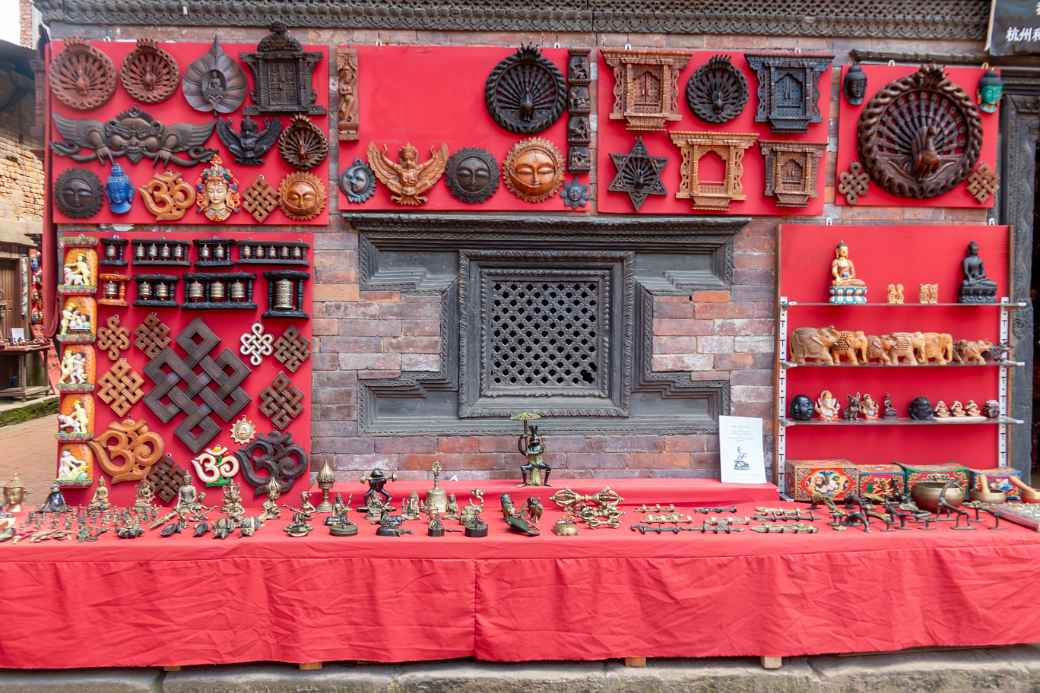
x,y
845,286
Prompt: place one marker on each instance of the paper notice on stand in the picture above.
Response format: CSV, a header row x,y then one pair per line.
x,y
740,448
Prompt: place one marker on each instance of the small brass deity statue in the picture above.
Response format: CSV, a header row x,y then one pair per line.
x,y
306,507
144,502
976,286
410,510
300,524
390,525
827,406
339,522
513,518
232,505
271,511
189,501
535,472
845,286
14,495
452,511
436,498
435,528
376,496
99,502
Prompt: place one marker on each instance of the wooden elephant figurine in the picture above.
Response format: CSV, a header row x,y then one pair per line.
x,y
971,350
850,344
813,343
904,347
879,348
934,346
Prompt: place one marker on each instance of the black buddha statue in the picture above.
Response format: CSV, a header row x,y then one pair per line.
x,y
976,287
921,409
801,408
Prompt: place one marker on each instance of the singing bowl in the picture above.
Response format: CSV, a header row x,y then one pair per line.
x,y
926,495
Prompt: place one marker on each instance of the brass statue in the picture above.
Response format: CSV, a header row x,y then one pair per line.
x,y
339,522
535,472
406,177
99,502
845,286
376,497
14,495
271,511
306,507
232,506
410,510
436,498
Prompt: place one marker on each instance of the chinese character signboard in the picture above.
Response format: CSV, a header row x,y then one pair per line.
x,y
1014,27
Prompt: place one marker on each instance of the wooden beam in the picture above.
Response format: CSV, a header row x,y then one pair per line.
x,y
310,666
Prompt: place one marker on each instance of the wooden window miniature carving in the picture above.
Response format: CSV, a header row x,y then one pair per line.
x,y
282,75
791,169
646,93
706,191
920,135
788,96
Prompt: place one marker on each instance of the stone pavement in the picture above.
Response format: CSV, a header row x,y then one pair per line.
x,y
30,449
1010,669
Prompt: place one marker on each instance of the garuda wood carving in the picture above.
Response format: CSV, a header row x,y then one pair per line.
x,y
920,135
249,145
406,177
135,135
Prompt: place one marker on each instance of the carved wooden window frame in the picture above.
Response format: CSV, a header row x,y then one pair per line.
x,y
627,65
711,195
777,155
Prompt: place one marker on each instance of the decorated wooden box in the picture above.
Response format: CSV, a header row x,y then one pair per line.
x,y
834,478
880,479
999,480
913,474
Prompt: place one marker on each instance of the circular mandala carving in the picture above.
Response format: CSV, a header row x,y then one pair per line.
x,y
717,92
302,144
472,175
301,196
533,169
149,73
525,93
920,135
81,76
78,193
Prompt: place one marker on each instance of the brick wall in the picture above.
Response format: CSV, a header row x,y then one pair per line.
x,y
25,23
711,335
22,190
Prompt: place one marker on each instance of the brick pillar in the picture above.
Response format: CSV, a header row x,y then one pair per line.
x,y
25,23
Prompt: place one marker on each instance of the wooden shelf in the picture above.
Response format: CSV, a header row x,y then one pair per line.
x,y
862,423
826,304
1001,364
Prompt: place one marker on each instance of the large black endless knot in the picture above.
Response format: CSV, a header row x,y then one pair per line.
x,y
179,387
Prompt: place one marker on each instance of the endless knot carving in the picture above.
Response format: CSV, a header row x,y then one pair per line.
x,y
854,183
152,336
127,450
113,338
256,344
260,199
281,401
292,349
120,388
982,183
179,387
166,477
275,454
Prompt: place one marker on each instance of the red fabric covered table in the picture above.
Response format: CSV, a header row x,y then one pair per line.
x,y
603,594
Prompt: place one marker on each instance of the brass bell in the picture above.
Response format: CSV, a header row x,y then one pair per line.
x,y
283,295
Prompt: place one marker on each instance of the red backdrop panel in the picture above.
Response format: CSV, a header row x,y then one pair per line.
x,y
614,138
910,255
429,95
176,110
967,78
229,325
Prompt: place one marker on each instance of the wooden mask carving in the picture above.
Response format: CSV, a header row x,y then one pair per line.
x,y
301,196
217,192
533,169
472,175
135,135
78,193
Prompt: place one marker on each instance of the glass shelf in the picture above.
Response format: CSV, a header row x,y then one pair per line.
x,y
994,364
825,304
862,423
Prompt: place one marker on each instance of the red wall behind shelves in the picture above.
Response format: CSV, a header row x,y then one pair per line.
x,y
882,255
429,95
613,138
229,325
176,110
967,78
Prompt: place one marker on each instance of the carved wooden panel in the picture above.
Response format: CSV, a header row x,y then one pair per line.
x,y
113,338
646,92
348,114
791,170
292,349
693,185
120,387
788,95
152,336
281,401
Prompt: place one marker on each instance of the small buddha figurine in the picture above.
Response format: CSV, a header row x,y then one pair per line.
x,y
99,501
845,286
271,511
306,507
827,407
972,409
14,495
189,500
869,408
411,509
889,409
957,409
453,507
976,287
145,498
941,410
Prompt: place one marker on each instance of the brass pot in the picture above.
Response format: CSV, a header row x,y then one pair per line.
x,y
925,495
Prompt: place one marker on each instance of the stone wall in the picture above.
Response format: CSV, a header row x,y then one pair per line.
x,y
711,334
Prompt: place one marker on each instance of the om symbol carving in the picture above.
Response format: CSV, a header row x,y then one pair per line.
x,y
215,466
126,450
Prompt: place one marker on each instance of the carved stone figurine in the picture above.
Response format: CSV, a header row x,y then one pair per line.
x,y
869,408
895,293
976,286
845,286
941,410
889,409
972,409
957,409
801,408
827,406
407,178
921,409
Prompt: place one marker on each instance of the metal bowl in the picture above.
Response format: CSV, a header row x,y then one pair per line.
x,y
926,495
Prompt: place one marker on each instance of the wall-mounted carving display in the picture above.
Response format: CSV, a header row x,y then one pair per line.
x,y
168,196
166,477
406,177
273,252
75,465
179,389
982,183
638,174
215,82
113,251
78,320
79,270
791,170
855,85
711,194
854,183
152,336
215,466
127,449
158,290
260,199
920,135
120,190
256,344
579,104
788,92
219,291
113,339
135,135
533,169
525,92
161,252
285,294
213,252
217,192
348,114
575,194
646,94
249,145
291,349
274,456
282,75
77,193
120,387
358,182
78,368
113,289
717,92
301,196
149,73
471,175
81,76
303,144
991,86
281,402
76,418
